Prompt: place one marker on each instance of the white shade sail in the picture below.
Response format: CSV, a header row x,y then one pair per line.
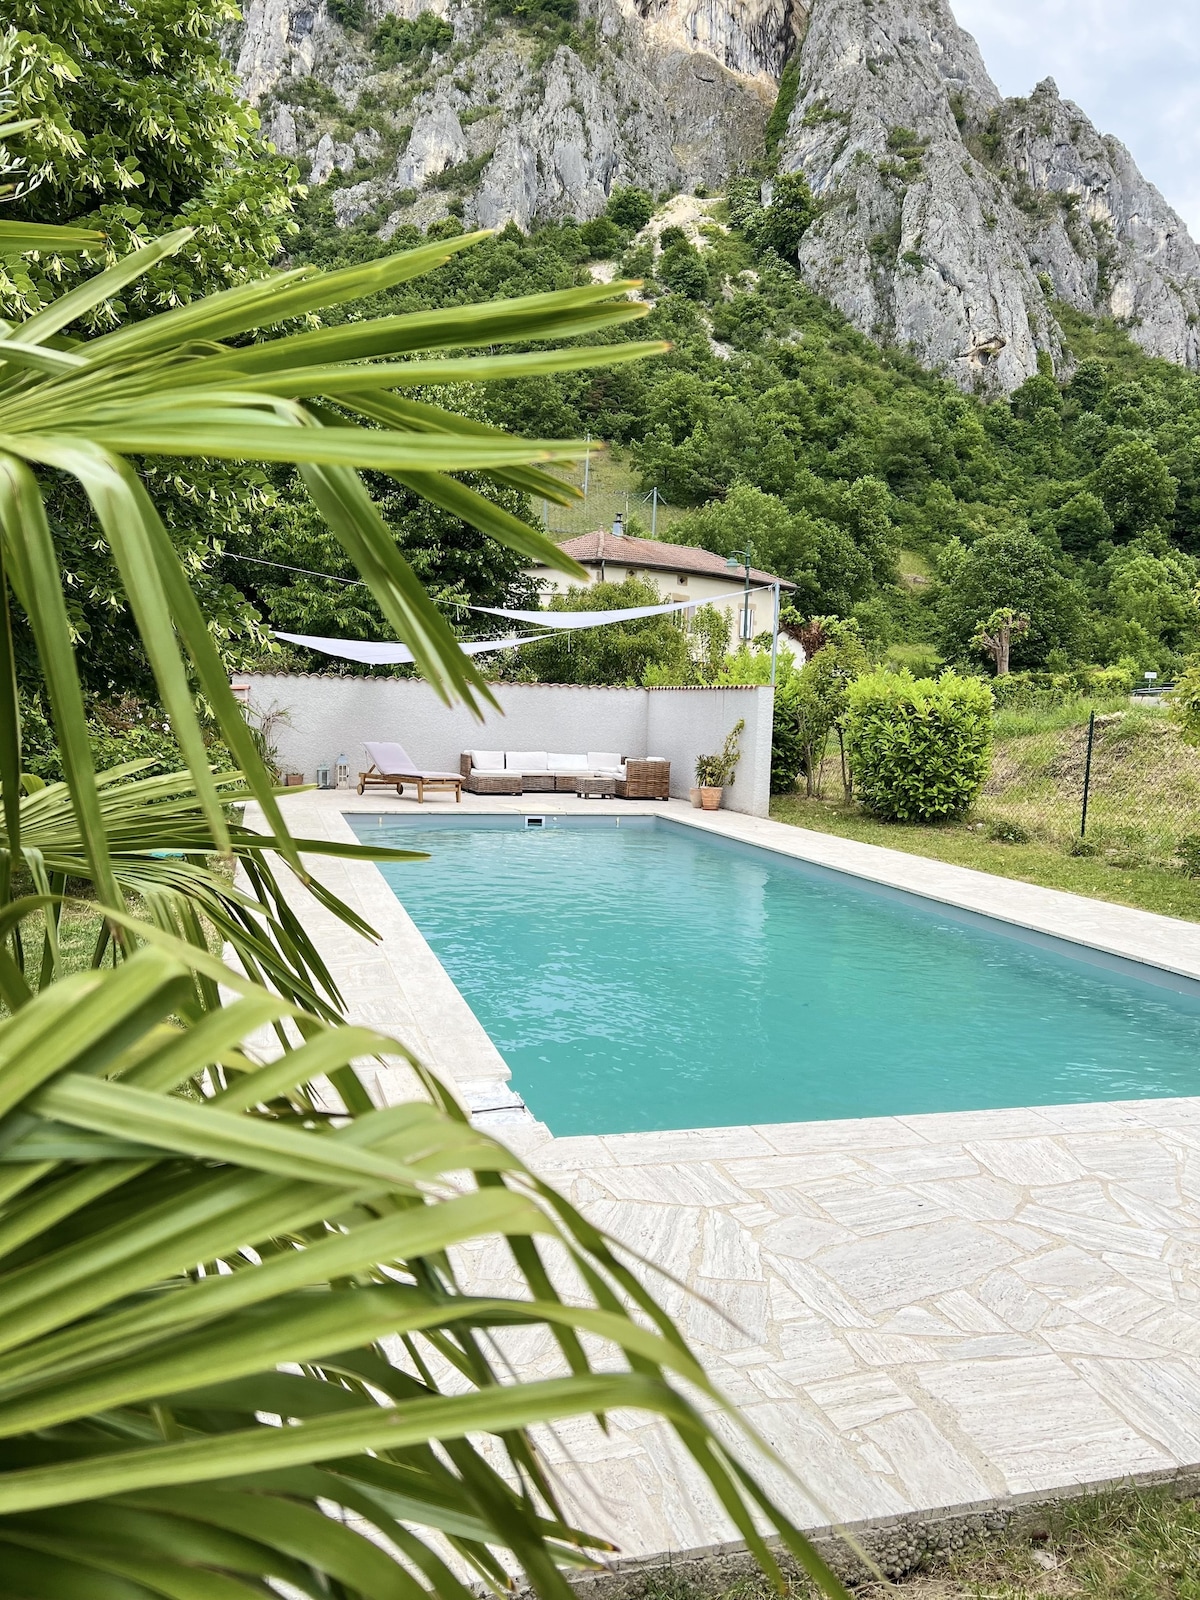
x,y
598,619
374,654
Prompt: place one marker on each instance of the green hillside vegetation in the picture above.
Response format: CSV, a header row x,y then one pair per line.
x,y
882,490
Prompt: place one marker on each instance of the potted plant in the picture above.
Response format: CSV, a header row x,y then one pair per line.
x,y
713,773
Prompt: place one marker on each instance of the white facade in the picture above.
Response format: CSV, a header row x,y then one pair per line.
x,y
701,578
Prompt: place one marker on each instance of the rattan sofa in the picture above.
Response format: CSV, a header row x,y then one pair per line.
x,y
555,772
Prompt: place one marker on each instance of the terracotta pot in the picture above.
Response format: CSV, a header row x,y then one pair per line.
x,y
694,797
710,799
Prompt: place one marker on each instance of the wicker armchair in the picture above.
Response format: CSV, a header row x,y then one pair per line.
x,y
478,782
645,780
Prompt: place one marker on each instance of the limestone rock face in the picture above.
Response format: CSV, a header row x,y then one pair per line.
x,y
753,39
952,220
667,98
1105,237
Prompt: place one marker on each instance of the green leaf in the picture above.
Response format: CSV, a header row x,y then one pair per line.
x,y
21,238
446,1417
78,302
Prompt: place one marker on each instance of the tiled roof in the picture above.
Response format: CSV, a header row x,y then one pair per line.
x,y
623,550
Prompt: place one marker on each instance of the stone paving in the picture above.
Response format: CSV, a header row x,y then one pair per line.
x,y
915,1312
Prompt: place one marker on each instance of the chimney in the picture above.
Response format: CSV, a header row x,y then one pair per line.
x,y
618,526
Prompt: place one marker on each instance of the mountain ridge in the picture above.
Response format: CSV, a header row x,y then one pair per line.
x,y
951,220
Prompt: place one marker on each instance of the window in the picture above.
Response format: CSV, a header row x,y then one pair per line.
x,y
681,580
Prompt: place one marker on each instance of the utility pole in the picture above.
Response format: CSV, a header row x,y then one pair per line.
x,y
775,634
736,559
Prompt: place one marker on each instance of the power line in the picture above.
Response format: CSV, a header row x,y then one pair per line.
x,y
357,583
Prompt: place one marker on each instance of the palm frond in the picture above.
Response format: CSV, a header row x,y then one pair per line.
x,y
230,1301
134,1144
161,850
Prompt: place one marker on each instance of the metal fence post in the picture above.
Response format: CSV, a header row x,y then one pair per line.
x,y
1087,773
654,513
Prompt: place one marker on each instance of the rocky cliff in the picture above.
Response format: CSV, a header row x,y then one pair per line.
x,y
663,95
951,220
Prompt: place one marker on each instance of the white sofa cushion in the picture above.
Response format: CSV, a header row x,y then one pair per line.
x,y
487,760
526,761
603,761
558,762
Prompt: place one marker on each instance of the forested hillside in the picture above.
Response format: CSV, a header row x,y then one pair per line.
x,y
881,489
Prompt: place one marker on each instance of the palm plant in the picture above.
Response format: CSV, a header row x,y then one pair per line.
x,y
229,1298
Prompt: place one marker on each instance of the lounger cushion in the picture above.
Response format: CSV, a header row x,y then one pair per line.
x,y
487,760
558,762
603,761
390,757
526,761
393,760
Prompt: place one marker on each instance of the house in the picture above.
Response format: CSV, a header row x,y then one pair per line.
x,y
678,571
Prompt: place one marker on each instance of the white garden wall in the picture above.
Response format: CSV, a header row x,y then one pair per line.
x,y
331,716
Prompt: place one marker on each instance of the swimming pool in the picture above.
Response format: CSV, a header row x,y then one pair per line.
x,y
637,974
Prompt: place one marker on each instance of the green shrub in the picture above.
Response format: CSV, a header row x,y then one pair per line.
x,y
786,220
785,104
349,13
1188,851
399,41
629,208
919,747
787,745
1009,832
119,731
537,13
601,237
681,269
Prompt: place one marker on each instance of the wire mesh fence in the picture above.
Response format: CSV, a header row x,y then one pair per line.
x,y
1113,782
1109,780
643,514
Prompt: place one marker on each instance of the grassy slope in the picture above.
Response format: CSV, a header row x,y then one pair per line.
x,y
1152,888
613,481
1145,795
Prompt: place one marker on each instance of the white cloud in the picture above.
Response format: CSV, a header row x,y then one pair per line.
x,y
1132,65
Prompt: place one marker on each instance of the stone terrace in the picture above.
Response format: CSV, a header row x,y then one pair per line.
x,y
917,1312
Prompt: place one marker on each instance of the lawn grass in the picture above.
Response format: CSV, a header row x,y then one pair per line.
x,y
1132,1545
1144,799
1153,888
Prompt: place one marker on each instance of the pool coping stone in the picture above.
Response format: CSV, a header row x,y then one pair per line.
x,y
1003,1302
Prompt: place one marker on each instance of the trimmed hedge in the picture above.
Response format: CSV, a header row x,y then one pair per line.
x,y
919,748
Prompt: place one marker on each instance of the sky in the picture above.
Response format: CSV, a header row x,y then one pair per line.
x,y
1132,65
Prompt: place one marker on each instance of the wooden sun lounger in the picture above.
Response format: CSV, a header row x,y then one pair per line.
x,y
392,767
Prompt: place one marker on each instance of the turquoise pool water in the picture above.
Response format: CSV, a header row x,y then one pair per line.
x,y
644,976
